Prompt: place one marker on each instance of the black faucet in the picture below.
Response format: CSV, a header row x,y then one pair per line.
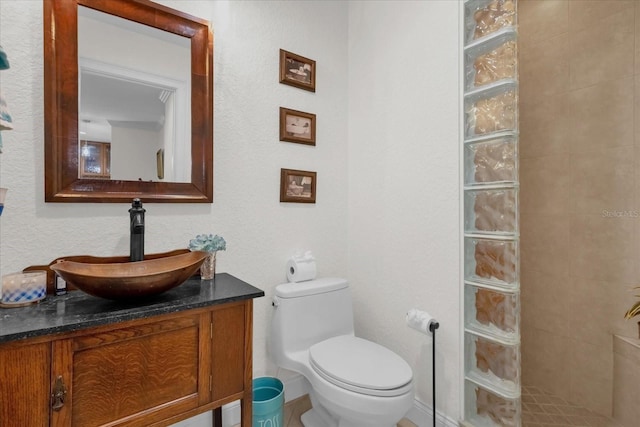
x,y
136,246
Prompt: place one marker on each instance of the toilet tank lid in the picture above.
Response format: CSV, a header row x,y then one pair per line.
x,y
311,287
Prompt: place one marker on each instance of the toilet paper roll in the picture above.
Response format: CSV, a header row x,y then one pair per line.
x,y
421,320
301,268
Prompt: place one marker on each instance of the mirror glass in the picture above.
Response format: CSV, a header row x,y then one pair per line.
x,y
128,103
132,100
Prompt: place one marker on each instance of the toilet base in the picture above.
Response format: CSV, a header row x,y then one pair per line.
x,y
317,416
320,416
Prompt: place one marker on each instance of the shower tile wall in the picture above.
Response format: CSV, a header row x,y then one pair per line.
x,y
579,191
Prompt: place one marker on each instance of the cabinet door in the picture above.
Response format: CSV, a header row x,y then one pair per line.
x,y
24,385
231,342
134,375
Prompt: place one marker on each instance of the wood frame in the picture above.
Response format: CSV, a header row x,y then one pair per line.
x,y
287,191
305,79
287,135
61,106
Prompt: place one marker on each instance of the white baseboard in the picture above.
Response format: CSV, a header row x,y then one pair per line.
x,y
297,386
422,416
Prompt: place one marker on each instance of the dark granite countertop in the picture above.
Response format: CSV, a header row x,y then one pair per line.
x,y
77,310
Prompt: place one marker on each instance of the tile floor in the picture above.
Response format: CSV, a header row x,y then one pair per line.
x,y
542,409
539,409
294,409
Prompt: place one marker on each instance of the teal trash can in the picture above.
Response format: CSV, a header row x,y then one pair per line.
x,y
268,402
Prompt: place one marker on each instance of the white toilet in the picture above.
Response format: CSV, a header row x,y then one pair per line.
x,y
355,382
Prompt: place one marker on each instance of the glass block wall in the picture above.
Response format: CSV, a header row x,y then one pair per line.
x,y
491,237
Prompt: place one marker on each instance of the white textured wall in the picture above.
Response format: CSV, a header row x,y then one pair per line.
x,y
386,100
260,231
403,182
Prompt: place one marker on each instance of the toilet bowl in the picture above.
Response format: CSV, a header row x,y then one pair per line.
x,y
354,382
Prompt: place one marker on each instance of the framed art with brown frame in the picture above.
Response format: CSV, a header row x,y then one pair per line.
x,y
297,186
298,71
160,163
297,126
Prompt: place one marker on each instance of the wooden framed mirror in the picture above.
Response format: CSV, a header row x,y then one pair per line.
x,y
63,182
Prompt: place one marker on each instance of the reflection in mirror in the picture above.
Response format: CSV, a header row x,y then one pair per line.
x,y
128,103
94,160
133,98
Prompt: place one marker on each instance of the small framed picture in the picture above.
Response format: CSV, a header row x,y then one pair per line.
x,y
297,126
297,186
298,71
160,163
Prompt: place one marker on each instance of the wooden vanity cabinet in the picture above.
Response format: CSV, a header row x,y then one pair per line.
x,y
149,372
25,372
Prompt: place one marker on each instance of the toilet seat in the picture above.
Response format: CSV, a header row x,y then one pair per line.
x,y
361,366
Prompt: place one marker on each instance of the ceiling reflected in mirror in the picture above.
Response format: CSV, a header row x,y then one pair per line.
x,y
106,101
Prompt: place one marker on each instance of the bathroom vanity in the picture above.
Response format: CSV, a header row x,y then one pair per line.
x,y
77,360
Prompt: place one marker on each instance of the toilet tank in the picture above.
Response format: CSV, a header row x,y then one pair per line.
x,y
306,313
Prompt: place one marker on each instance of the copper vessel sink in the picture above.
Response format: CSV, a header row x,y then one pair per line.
x,y
129,280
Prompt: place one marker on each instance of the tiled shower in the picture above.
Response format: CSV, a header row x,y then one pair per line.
x,y
552,211
579,195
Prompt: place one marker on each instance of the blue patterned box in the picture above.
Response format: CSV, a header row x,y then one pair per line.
x,y
23,288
